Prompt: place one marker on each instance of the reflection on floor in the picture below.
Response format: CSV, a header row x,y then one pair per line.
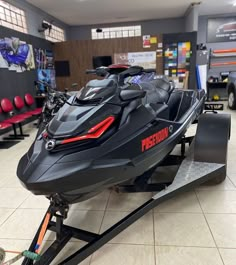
x,y
196,228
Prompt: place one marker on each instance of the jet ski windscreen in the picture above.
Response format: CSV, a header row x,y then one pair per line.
x,y
144,77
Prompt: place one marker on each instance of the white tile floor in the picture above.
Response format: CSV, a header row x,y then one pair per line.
x,y
195,228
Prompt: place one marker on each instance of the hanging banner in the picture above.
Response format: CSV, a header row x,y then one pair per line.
x,y
221,29
145,59
146,41
16,55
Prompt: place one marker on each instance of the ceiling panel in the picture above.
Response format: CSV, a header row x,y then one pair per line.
x,y
85,12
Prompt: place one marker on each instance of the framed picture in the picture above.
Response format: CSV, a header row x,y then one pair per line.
x,y
221,29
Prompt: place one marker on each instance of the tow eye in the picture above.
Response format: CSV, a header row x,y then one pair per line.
x,y
50,145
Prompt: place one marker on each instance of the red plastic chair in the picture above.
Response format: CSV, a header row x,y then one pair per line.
x,y
19,104
29,100
8,108
4,125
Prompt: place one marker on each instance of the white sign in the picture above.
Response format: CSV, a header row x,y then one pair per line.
x,y
145,59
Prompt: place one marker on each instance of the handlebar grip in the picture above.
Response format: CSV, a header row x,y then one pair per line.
x,y
90,71
149,70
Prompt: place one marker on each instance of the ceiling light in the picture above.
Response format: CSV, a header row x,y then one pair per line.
x,y
234,4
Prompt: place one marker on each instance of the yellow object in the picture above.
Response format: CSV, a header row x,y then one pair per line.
x,y
188,45
216,97
153,40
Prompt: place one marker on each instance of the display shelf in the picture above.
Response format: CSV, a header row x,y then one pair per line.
x,y
224,51
222,64
217,86
222,54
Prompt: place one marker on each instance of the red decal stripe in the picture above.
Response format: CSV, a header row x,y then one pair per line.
x,y
94,133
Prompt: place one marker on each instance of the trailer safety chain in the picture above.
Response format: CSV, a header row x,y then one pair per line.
x,y
26,253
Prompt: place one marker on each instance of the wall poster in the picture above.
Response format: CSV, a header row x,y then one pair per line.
x,y
46,69
146,41
44,59
221,29
16,55
46,76
145,59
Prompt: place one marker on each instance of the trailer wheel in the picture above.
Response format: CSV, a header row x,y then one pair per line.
x,y
211,142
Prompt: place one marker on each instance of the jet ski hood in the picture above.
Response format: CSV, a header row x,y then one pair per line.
x,y
93,104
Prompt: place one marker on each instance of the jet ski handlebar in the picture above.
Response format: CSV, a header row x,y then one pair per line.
x,y
121,72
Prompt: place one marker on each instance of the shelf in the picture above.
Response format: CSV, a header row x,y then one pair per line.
x,y
222,64
218,85
224,55
229,56
225,51
220,82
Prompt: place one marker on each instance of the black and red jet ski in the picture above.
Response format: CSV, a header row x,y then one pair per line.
x,y
108,134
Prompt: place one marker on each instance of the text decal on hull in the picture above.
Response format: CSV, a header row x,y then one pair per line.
x,y
155,139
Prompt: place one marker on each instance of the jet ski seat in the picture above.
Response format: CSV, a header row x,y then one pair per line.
x,y
157,91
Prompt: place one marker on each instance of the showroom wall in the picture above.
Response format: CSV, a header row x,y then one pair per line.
x,y
13,83
152,27
35,16
80,54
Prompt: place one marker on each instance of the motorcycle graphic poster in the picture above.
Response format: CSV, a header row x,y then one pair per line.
x,y
221,29
49,59
44,59
41,60
145,59
46,76
16,55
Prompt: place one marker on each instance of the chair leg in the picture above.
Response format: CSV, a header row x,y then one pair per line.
x,y
14,136
21,131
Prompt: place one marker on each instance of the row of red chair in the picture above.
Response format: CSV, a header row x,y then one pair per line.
x,y
13,119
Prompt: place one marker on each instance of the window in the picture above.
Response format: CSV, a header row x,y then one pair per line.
x,y
117,32
56,34
12,17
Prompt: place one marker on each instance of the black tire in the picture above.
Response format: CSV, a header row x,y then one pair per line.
x,y
232,98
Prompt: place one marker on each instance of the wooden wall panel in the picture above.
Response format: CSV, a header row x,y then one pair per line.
x,y
80,54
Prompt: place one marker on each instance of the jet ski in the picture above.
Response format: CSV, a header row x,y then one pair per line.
x,y
110,133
